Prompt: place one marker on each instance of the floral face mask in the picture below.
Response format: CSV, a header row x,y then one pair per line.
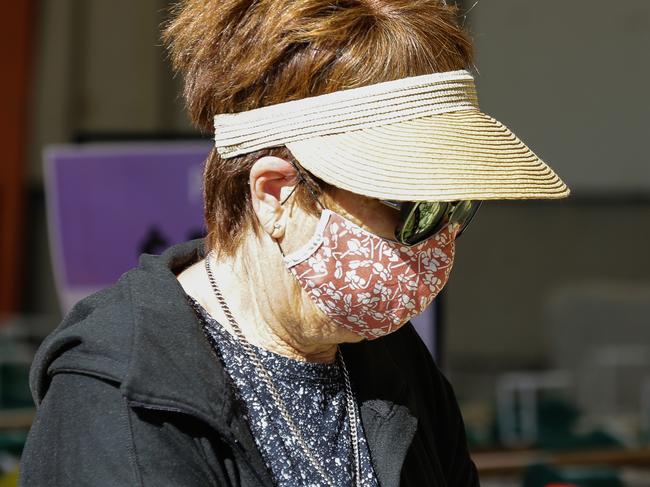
x,y
366,283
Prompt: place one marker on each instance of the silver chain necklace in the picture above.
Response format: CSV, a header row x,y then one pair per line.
x,y
266,377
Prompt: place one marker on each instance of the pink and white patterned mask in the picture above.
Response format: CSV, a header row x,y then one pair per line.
x,y
368,284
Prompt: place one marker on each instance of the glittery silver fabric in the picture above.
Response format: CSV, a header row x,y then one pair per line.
x,y
314,394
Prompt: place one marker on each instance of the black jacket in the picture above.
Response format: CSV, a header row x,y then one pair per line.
x,y
129,393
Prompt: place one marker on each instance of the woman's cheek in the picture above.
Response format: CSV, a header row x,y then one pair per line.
x,y
299,232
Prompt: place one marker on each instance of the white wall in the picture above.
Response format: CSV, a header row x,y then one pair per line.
x,y
571,78
100,69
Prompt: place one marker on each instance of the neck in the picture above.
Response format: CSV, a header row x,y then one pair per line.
x,y
268,305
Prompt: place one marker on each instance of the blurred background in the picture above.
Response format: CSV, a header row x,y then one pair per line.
x,y
544,326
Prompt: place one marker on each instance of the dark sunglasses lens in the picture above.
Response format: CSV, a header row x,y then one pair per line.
x,y
419,220
464,213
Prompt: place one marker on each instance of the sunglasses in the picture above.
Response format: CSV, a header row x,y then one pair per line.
x,y
420,220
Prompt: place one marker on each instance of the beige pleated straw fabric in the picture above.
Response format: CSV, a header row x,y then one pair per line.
x,y
421,138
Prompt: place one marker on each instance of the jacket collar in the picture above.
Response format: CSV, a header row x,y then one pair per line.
x,y
171,363
173,367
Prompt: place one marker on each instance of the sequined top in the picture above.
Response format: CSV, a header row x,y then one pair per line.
x,y
314,394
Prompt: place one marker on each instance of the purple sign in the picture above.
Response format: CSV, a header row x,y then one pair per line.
x,y
108,203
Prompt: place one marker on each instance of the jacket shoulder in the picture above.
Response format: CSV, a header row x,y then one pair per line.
x,y
93,338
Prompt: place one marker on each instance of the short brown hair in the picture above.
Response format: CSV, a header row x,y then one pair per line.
x,y
238,55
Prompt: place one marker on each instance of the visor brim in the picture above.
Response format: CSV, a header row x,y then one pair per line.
x,y
444,157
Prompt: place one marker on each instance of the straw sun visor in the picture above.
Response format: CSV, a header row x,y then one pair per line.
x,y
453,156
418,138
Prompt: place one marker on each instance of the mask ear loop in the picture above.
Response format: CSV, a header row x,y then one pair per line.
x,y
289,195
301,179
277,225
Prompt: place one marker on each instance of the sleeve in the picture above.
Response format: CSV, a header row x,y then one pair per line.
x,y
80,436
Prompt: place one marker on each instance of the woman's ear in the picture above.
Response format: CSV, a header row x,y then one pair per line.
x,y
271,179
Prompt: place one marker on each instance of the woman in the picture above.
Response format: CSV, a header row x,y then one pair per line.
x,y
350,154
